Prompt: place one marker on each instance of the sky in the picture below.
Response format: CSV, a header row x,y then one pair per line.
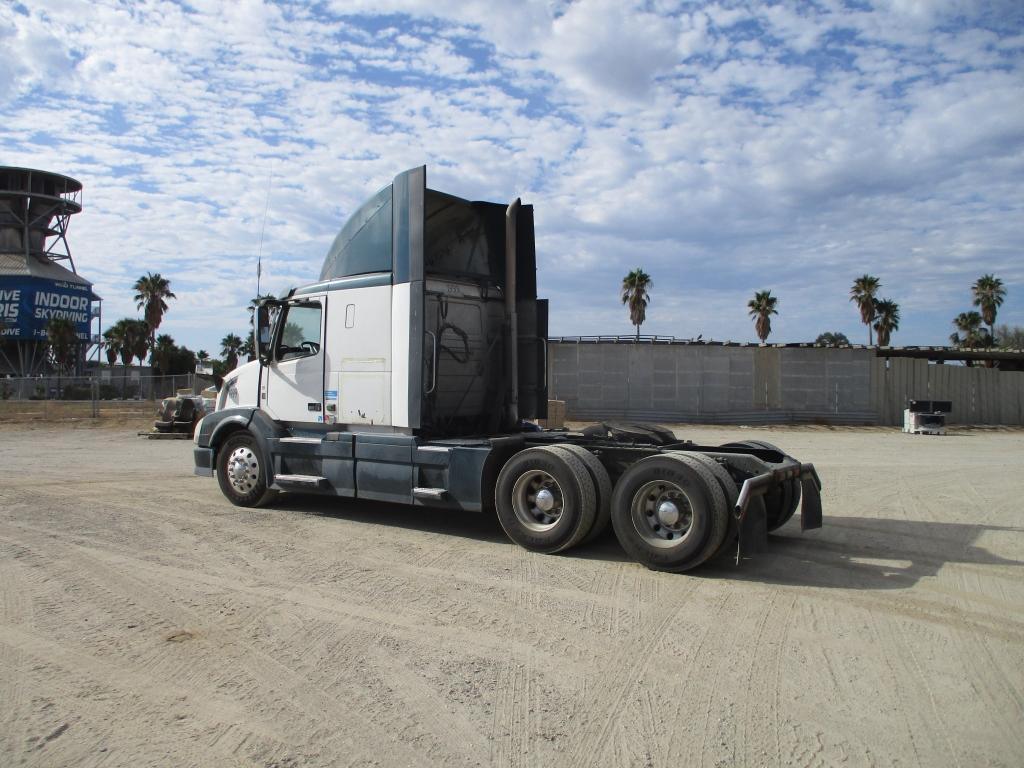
x,y
724,148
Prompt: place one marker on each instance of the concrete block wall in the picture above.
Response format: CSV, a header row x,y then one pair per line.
x,y
763,385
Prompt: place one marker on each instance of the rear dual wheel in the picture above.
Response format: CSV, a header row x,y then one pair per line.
x,y
545,499
669,512
602,487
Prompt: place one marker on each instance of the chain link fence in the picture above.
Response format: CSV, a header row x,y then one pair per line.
x,y
104,386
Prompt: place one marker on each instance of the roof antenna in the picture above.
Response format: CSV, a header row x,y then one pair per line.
x,y
263,228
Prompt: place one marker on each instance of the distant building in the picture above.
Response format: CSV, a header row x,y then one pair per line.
x,y
38,281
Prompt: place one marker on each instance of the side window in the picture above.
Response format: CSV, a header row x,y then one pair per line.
x,y
300,336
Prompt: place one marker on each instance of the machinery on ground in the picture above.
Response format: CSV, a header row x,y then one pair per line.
x,y
406,373
926,417
180,414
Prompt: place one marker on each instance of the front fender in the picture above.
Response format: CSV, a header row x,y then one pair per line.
x,y
217,425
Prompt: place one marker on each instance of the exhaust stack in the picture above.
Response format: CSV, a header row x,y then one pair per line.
x,y
511,318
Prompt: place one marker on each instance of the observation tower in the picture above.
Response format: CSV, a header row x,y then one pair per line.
x,y
38,281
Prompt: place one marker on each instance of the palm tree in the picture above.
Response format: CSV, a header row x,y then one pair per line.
x,y
202,355
762,307
887,313
634,293
128,338
63,342
863,295
165,347
989,293
231,346
968,326
830,339
150,294
140,335
113,341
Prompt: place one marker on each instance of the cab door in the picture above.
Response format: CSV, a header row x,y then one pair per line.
x,y
293,388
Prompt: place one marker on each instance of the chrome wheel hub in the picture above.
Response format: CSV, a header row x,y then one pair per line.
x,y
661,513
243,470
545,500
537,500
668,513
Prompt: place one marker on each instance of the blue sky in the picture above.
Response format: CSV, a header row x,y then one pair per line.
x,y
725,148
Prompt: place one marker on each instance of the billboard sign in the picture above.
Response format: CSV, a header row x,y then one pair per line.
x,y
28,304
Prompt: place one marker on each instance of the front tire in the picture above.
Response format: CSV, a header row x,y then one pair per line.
x,y
240,472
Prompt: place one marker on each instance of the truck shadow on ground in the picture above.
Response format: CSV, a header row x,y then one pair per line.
x,y
479,526
848,553
863,553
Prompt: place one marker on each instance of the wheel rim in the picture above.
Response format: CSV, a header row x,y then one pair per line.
x,y
662,514
537,501
243,470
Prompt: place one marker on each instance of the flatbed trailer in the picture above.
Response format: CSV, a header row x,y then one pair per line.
x,y
409,372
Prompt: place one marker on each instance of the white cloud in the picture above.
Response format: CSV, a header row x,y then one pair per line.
x,y
725,149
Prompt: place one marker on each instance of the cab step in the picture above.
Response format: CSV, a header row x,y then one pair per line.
x,y
435,494
300,481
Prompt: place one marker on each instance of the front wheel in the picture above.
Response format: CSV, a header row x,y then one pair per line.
x,y
240,472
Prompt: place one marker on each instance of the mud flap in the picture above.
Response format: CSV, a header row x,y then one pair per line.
x,y
753,530
810,512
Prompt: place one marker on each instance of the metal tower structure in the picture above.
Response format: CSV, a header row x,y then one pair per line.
x,y
38,280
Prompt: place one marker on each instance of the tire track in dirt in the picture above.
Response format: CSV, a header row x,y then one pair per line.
x,y
15,610
425,715
79,670
511,727
759,727
262,540
897,677
624,671
371,574
250,672
669,753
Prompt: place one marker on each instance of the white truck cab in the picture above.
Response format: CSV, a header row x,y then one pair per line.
x,y
407,372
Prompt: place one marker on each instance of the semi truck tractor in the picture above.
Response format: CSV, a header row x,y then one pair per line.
x,y
413,372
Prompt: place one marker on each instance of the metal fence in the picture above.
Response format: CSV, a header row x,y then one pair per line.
x,y
106,385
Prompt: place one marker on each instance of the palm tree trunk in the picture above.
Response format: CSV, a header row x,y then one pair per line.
x,y
638,333
870,339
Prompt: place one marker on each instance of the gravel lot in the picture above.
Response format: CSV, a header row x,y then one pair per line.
x,y
146,621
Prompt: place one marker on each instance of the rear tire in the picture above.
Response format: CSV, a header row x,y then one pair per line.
x,y
725,481
545,500
780,501
792,497
669,512
602,485
240,472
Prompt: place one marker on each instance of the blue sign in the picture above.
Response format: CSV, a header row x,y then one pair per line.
x,y
28,304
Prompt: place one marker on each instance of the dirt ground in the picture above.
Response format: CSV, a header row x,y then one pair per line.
x,y
146,621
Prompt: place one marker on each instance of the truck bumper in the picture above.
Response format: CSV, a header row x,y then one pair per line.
x,y
204,461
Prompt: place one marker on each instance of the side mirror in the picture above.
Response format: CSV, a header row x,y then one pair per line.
x,y
263,335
